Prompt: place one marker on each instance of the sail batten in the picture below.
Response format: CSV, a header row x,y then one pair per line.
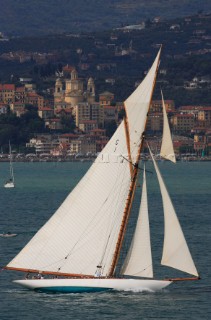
x,y
176,253
139,258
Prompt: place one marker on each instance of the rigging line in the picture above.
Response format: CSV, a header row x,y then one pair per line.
x,y
111,230
81,238
83,234
135,165
105,253
85,231
134,274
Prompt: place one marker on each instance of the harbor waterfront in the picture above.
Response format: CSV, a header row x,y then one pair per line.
x,y
42,186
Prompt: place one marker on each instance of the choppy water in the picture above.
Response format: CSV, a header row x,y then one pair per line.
x,y
41,187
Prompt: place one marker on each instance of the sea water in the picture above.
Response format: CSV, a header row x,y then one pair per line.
x,y
41,188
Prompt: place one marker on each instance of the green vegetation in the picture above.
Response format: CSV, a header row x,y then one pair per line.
x,y
185,56
18,130
27,17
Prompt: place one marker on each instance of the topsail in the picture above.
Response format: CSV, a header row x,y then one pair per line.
x,y
167,149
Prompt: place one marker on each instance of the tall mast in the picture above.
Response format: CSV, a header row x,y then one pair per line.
x,y
132,189
127,133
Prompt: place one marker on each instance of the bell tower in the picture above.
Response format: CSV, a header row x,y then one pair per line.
x,y
90,90
58,93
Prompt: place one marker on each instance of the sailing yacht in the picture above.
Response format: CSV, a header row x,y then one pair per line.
x,y
11,182
79,248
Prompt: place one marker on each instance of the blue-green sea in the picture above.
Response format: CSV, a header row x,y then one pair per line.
x,y
41,188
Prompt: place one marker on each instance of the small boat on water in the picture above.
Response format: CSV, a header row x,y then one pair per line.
x,y
8,235
79,247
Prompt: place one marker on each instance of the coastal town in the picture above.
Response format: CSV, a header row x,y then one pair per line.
x,y
75,100
77,94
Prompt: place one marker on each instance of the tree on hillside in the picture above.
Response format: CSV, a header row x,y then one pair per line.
x,y
68,123
110,127
18,130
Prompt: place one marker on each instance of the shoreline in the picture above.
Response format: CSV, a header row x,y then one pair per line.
x,y
182,159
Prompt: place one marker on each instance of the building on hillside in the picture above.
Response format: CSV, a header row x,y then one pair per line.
x,y
109,114
99,136
43,144
155,122
20,94
53,124
85,111
202,142
205,115
83,146
60,113
190,110
30,87
106,98
7,93
98,133
46,113
199,143
88,125
34,99
71,91
183,122
3,108
157,107
67,137
18,108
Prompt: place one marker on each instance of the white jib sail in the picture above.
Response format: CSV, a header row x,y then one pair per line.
x,y
167,149
139,258
176,253
137,107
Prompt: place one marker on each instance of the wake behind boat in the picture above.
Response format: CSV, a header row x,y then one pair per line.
x,y
79,248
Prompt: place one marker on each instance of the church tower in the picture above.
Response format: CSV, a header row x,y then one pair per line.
x,y
74,89
90,94
58,93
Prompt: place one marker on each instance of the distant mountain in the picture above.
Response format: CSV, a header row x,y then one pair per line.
x,y
30,17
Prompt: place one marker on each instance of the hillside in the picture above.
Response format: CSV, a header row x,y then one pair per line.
x,y
29,17
118,59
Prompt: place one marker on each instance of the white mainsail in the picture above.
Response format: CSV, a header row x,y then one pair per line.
x,y
88,221
137,107
176,253
139,258
167,149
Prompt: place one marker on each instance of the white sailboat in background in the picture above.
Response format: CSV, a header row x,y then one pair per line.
x,y
11,182
79,247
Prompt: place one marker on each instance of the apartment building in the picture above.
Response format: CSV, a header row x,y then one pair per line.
x,y
183,122
85,111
